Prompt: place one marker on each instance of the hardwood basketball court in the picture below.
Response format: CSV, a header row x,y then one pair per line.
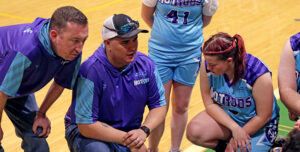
x,y
265,26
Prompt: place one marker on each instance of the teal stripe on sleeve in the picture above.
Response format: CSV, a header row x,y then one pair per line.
x,y
14,75
160,87
75,72
84,101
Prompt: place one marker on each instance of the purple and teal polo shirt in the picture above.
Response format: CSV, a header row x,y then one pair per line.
x,y
27,61
104,93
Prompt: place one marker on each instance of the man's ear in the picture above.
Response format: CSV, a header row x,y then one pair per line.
x,y
106,42
53,34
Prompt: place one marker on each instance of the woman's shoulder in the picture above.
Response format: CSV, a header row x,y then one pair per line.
x,y
254,68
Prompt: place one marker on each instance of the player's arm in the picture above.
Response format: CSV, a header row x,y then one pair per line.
x,y
86,97
65,78
209,9
156,101
155,117
41,119
53,93
148,8
12,77
217,113
157,110
263,95
102,131
214,110
287,80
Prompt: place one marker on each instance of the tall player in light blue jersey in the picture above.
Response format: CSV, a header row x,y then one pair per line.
x,y
237,92
288,81
175,47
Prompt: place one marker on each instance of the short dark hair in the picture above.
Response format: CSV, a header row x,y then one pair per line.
x,y
66,14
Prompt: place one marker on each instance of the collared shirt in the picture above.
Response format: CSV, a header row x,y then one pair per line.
x,y
26,65
118,98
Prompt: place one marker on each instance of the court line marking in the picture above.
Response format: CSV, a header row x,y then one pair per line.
x,y
16,17
288,127
284,130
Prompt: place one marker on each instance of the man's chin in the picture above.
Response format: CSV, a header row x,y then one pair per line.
x,y
70,58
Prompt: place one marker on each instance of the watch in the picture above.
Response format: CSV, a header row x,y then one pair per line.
x,y
146,130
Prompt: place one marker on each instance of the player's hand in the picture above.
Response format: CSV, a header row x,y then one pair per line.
x,y
297,124
293,116
43,122
135,138
231,146
241,138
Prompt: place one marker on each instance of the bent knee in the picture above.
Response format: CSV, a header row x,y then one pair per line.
x,y
195,132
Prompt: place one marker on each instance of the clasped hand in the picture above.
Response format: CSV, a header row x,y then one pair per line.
x,y
240,139
135,139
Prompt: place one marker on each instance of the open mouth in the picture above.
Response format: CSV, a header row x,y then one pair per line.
x,y
131,55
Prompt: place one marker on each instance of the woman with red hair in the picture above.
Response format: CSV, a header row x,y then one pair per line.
x,y
241,111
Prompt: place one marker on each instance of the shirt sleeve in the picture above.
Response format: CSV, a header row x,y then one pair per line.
x,y
156,96
295,42
12,68
210,7
67,75
150,3
86,98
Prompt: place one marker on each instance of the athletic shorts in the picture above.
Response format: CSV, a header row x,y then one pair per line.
x,y
185,74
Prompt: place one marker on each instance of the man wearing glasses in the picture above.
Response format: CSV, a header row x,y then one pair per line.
x,y
113,88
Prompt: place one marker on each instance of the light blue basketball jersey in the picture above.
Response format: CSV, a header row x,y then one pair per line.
x,y
176,35
295,44
237,100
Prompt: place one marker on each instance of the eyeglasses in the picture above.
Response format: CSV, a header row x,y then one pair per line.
x,y
132,25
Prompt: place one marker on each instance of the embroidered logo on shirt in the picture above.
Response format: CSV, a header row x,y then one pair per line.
x,y
104,86
28,30
141,74
141,81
